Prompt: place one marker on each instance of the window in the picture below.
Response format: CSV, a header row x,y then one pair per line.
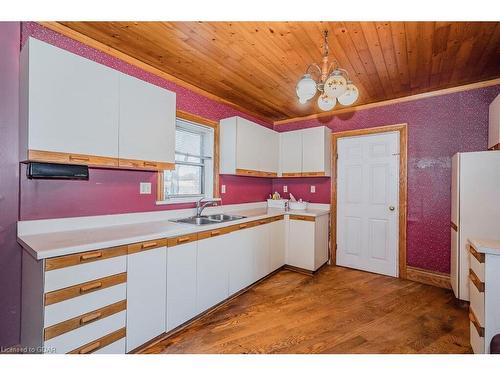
x,y
192,178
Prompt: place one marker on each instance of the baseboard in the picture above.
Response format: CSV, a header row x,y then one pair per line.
x,y
419,275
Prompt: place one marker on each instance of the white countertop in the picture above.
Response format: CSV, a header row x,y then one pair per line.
x,y
486,246
57,243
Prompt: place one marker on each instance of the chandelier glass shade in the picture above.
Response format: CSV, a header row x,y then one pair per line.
x,y
332,83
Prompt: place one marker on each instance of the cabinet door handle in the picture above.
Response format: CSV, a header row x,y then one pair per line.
x,y
90,256
149,164
90,348
147,245
81,158
215,233
183,239
242,226
262,221
90,287
89,318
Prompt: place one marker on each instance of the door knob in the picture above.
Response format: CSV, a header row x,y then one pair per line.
x,y
391,208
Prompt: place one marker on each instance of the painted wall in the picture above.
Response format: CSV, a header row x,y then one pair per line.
x,y
115,191
10,251
438,127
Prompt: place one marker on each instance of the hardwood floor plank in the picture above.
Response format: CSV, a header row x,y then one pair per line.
x,y
338,310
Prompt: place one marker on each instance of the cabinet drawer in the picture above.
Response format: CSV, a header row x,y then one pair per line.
x,y
146,245
171,242
84,258
68,276
476,261
71,308
476,299
214,233
116,347
101,343
302,217
79,337
84,319
476,341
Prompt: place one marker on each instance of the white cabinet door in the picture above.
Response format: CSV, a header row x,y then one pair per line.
x,y
494,123
291,152
261,250
213,271
241,260
247,150
277,244
147,121
269,150
146,296
181,284
300,251
72,103
314,150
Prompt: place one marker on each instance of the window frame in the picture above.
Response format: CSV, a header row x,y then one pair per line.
x,y
201,121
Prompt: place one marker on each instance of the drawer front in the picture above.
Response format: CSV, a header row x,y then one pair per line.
x,y
147,245
101,343
477,303
71,308
476,341
175,241
82,273
84,319
302,217
83,258
476,261
116,347
79,337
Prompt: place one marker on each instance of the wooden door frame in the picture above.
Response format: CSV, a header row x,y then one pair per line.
x,y
403,187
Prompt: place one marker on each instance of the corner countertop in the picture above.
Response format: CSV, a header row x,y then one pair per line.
x,y
53,244
486,246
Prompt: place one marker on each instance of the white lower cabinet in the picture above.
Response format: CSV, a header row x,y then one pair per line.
x,y
181,284
146,296
307,242
241,260
277,244
212,275
261,249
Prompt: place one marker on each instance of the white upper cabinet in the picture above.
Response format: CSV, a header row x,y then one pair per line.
x,y
494,130
147,123
247,148
291,153
316,151
69,104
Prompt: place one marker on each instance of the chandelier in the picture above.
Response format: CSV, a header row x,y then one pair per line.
x,y
332,82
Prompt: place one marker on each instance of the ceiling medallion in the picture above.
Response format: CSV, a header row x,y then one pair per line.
x,y
333,83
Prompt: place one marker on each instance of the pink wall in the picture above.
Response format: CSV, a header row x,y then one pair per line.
x,y
438,127
10,251
301,188
115,191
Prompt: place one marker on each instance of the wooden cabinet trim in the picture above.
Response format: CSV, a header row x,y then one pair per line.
x,y
146,245
100,343
479,256
302,217
145,165
454,226
254,173
84,319
72,158
473,319
215,232
291,174
313,174
84,288
83,258
476,281
180,240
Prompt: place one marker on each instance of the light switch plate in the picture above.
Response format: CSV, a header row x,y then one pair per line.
x,y
145,188
223,189
313,189
285,189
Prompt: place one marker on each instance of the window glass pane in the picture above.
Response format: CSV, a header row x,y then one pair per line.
x,y
184,180
187,142
190,159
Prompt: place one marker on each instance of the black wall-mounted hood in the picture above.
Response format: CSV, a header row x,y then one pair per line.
x,y
48,171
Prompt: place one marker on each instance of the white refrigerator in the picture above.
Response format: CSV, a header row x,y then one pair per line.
x,y
475,209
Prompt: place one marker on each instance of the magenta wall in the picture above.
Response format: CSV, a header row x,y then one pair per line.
x,y
438,127
116,191
10,251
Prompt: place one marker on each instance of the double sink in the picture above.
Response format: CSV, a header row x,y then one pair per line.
x,y
208,219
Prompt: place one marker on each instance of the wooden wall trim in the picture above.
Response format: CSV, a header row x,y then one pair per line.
x,y
494,148
419,275
75,35
403,187
425,95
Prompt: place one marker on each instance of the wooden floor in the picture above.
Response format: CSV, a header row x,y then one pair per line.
x,y
338,310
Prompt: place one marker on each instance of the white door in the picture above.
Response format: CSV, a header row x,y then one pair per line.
x,y
367,202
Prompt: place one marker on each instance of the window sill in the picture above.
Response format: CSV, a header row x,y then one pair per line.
x,y
184,200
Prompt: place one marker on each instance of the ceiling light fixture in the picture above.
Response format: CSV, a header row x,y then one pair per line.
x,y
332,82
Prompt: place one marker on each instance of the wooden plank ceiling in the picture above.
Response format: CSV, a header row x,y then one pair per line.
x,y
256,65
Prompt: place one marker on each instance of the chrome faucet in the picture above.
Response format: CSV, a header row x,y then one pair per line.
x,y
201,206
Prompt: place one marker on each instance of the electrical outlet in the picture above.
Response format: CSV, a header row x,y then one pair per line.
x,y
145,188
313,189
285,189
223,189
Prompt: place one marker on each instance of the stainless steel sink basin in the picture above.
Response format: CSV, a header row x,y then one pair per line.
x,y
210,219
